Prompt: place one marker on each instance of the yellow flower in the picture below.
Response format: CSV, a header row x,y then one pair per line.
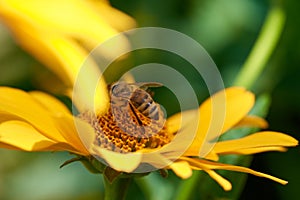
x,y
60,35
35,121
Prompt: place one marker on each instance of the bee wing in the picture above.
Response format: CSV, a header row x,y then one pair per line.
x,y
145,85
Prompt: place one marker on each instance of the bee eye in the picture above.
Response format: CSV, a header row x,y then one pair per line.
x,y
114,87
120,90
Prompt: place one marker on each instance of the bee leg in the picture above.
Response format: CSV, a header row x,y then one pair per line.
x,y
133,111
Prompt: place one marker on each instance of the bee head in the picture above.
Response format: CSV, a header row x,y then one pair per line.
x,y
120,89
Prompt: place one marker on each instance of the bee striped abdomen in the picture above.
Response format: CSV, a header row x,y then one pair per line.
x,y
144,103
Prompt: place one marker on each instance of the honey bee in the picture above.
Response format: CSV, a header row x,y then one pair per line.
x,y
135,99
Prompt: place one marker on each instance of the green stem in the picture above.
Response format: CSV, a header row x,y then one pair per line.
x,y
187,187
263,48
117,189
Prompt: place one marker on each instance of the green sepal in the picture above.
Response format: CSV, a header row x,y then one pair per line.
x,y
89,162
70,161
164,173
89,165
134,175
99,166
111,174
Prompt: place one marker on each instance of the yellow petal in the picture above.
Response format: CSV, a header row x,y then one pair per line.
x,y
4,116
181,169
114,17
62,55
259,139
65,57
204,164
84,131
252,121
65,124
225,184
90,90
120,162
23,136
19,104
50,30
6,146
249,151
212,156
180,127
158,158
75,17
214,120
50,103
173,123
238,103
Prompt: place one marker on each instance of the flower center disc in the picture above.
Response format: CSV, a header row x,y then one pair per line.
x,y
125,129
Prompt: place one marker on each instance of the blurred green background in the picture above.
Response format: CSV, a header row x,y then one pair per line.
x,y
227,30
